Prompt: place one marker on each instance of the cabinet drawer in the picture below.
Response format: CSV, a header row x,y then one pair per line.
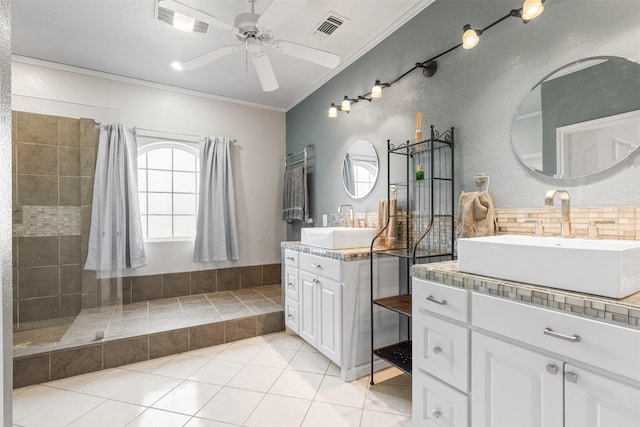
x,y
610,347
441,299
327,267
291,257
436,404
291,314
291,286
441,349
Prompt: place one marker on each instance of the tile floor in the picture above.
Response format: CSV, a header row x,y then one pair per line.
x,y
272,380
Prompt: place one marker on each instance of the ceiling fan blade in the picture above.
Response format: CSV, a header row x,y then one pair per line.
x,y
211,56
195,13
317,56
265,72
278,12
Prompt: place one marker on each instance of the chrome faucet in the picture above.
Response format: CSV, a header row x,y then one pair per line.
x,y
565,225
350,213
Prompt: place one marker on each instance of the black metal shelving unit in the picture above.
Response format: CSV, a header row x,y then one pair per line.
x,y
425,217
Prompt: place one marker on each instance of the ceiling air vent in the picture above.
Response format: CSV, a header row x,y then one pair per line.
x,y
166,15
328,25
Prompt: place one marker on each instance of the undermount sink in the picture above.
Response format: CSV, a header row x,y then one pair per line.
x,y
338,237
609,268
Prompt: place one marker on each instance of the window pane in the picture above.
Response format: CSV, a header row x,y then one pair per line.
x,y
159,181
142,201
184,204
142,179
159,158
184,226
143,221
142,160
183,161
184,182
159,203
159,226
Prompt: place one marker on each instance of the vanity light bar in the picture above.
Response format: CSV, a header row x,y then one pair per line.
x,y
470,38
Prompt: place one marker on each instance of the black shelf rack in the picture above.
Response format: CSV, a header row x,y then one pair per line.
x,y
427,229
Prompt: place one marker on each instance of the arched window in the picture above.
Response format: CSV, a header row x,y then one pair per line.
x,y
168,181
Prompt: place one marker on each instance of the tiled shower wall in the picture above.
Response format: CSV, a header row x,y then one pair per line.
x,y
53,167
53,171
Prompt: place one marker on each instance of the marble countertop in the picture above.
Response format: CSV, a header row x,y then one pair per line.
x,y
622,312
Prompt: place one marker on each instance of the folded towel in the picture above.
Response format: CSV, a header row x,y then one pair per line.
x,y
382,221
475,215
294,197
392,230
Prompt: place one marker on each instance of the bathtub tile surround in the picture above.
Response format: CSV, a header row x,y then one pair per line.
x,y
145,330
624,311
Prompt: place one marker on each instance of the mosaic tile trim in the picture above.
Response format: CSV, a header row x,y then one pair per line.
x,y
339,254
622,312
617,222
38,221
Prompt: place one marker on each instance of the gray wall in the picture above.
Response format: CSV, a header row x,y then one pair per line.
x,y
6,335
477,91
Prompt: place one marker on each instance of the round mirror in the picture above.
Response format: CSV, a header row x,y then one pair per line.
x,y
580,120
360,169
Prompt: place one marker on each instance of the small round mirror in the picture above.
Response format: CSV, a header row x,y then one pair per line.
x,y
360,169
581,120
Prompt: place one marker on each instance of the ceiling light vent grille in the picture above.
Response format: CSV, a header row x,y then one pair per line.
x,y
328,25
166,15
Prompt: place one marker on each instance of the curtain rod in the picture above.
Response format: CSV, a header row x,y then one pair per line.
x,y
233,140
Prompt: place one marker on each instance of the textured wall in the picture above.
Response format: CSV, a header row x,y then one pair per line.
x,y
477,91
6,336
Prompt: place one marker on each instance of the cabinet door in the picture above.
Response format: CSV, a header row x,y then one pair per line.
x,y
291,283
435,404
513,386
291,314
592,400
329,309
306,316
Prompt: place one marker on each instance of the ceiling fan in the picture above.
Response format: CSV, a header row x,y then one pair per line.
x,y
254,31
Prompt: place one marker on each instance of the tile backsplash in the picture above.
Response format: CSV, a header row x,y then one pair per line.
x,y
614,222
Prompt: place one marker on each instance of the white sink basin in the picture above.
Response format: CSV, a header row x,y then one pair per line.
x,y
609,268
338,237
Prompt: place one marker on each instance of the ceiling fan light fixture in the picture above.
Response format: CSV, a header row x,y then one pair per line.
x,y
253,45
183,22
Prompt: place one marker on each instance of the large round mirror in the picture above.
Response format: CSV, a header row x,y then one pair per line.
x,y
582,119
360,169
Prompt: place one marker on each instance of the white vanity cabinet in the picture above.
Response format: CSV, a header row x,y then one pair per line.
x,y
525,365
327,303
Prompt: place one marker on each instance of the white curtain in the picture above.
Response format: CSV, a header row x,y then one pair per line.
x,y
216,232
115,237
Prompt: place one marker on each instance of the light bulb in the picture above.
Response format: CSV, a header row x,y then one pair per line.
x,y
183,22
333,110
531,9
346,105
470,37
376,91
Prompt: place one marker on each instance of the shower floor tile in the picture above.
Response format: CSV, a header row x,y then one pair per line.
x,y
141,318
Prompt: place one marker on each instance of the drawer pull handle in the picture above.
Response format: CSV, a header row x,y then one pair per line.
x,y
315,280
290,316
436,413
290,284
290,258
551,333
314,265
432,299
572,377
552,369
437,349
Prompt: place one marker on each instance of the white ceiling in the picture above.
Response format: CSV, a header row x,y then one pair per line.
x,y
123,37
